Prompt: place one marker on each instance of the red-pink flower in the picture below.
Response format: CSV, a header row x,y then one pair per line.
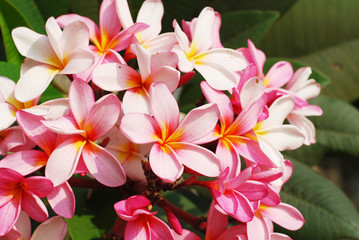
x,y
18,192
173,141
142,224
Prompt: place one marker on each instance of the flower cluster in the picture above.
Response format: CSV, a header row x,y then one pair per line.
x,y
121,123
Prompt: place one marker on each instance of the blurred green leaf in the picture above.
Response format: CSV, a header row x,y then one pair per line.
x,y
309,155
52,8
50,93
337,128
323,34
191,94
10,70
249,25
329,214
87,8
31,13
82,227
321,78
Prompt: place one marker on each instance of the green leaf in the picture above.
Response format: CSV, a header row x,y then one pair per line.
x,y
249,25
309,155
10,70
191,94
323,34
321,78
50,93
52,8
87,8
11,17
82,227
328,213
336,129
31,13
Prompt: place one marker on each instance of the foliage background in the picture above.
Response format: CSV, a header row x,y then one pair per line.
x,y
323,34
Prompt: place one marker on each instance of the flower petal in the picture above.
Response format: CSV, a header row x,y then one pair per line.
x,y
78,60
164,163
62,200
257,228
34,207
167,75
138,229
203,32
34,82
9,213
54,228
229,157
279,74
151,13
136,100
7,115
109,22
65,125
103,165
197,158
159,229
40,186
124,14
217,222
75,35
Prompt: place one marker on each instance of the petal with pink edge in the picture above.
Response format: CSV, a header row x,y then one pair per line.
x,y
218,76
197,158
253,190
140,128
10,179
196,124
124,14
65,125
279,74
143,59
278,111
136,100
187,235
164,163
284,215
167,75
102,116
257,228
217,222
237,232
37,185
34,82
159,229
166,115
163,58
54,33
23,226
229,157
62,200
9,213
116,77
63,161
75,35
224,104
54,228
109,22
184,65
279,236
81,98
103,165
34,207
151,13
203,32
78,60
123,39
138,229
258,57
36,131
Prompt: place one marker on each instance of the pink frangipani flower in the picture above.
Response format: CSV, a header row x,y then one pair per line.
x,y
88,122
173,141
61,52
142,224
18,192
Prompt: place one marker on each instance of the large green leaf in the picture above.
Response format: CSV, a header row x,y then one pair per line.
x,y
11,17
337,128
10,70
86,8
31,13
249,25
52,8
323,34
328,213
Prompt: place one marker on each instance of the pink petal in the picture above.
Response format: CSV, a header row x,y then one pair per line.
x,y
34,82
237,232
251,90
116,77
187,235
81,99
63,161
196,124
78,60
62,200
258,229
279,74
253,190
279,236
229,157
109,22
285,215
138,229
102,116
202,36
7,112
217,222
166,115
23,226
103,165
124,14
9,213
133,167
140,128
162,42
65,125
10,179
151,13
217,75
258,57
224,104
36,131
54,34
143,59
75,35
91,25
40,186
54,228
34,46
123,39
136,100
34,207
159,229
167,75
163,58
196,157
164,163
216,34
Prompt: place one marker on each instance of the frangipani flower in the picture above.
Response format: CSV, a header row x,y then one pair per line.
x,y
216,65
88,122
153,68
18,192
108,39
150,13
142,224
13,139
61,52
173,141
